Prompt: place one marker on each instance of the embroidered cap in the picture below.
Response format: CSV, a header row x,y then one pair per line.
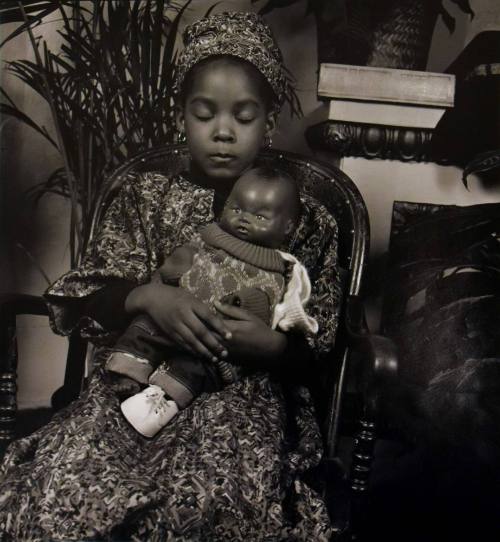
x,y
240,34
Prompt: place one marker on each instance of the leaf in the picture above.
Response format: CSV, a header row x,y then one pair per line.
x,y
213,6
273,4
109,89
3,92
57,183
36,11
464,5
35,262
6,109
482,162
448,20
10,11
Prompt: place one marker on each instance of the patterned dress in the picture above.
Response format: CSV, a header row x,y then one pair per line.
x,y
235,465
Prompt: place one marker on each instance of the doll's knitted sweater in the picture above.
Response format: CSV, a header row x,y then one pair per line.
x,y
225,266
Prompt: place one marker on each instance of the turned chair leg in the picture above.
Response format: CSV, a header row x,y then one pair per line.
x,y
362,458
8,377
11,306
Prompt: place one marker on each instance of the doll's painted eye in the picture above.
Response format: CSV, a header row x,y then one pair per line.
x,y
261,217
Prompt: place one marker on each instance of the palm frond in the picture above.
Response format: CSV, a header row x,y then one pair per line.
x,y
30,13
108,89
12,111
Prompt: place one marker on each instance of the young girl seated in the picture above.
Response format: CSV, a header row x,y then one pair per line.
x,y
239,464
235,262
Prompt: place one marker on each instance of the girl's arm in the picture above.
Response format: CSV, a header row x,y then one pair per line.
x,y
107,306
185,320
125,249
114,305
256,345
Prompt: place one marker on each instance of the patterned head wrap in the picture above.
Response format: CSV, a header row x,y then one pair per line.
x,y
239,34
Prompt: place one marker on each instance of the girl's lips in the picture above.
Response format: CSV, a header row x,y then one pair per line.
x,y
221,158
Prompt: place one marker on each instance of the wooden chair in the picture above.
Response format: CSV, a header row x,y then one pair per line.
x,y
356,353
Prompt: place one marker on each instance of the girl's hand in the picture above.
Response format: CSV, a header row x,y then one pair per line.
x,y
184,320
252,340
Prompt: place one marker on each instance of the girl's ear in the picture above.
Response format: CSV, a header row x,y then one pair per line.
x,y
179,119
271,122
289,227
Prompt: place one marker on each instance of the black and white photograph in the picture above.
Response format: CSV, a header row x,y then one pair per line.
x,y
249,270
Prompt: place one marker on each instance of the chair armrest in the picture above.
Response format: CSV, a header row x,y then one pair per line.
x,y
379,365
376,372
368,366
12,305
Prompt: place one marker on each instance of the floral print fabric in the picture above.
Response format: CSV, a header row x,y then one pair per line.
x,y
232,466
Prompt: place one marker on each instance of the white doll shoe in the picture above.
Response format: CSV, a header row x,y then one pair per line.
x,y
149,411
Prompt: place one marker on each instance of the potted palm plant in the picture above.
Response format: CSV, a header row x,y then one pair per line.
x,y
108,88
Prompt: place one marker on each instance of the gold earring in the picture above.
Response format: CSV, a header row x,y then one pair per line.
x,y
180,137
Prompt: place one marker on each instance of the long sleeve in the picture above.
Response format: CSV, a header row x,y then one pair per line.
x,y
316,248
107,305
121,251
149,217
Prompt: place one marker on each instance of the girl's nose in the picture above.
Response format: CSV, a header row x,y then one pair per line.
x,y
224,131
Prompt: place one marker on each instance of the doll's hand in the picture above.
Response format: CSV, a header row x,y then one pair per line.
x,y
252,341
184,320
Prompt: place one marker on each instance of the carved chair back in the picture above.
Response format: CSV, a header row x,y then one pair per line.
x,y
336,191
327,184
340,196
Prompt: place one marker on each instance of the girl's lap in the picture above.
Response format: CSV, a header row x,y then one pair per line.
x,y
222,466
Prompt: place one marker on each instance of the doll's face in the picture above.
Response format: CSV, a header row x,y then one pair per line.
x,y
225,119
259,210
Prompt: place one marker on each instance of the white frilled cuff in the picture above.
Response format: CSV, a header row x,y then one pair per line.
x,y
289,315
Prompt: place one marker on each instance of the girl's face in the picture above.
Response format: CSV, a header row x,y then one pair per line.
x,y
225,120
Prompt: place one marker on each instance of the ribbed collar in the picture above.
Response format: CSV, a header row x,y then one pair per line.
x,y
265,258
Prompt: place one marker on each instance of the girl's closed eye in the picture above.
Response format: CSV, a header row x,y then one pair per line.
x,y
202,111
246,114
203,116
245,119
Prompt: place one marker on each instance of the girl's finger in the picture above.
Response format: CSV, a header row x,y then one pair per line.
x,y
230,311
209,338
180,342
212,320
199,348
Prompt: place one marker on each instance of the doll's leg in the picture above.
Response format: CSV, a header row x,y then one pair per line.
x,y
135,356
173,386
183,377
